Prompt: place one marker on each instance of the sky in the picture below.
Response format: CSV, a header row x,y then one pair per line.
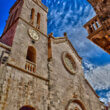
x,y
70,16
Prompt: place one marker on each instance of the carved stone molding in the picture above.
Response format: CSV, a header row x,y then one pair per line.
x,y
69,62
75,95
75,104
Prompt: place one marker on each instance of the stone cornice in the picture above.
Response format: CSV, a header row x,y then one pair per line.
x,y
91,20
16,3
10,27
95,32
65,38
91,88
27,72
33,26
5,46
70,44
40,5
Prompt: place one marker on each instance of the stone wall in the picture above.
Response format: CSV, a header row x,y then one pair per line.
x,y
26,14
65,87
19,89
22,41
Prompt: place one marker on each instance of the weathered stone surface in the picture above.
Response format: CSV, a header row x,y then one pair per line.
x,y
21,89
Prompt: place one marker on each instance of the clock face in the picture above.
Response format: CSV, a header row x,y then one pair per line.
x,y
69,63
33,34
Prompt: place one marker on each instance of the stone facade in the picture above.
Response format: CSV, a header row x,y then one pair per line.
x,y
46,73
67,88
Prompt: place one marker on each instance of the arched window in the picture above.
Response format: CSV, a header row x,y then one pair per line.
x,y
32,15
27,108
38,20
31,54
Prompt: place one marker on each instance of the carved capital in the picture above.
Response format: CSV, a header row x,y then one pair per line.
x,y
75,95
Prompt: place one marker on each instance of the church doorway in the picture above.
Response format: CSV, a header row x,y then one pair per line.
x,y
27,108
75,105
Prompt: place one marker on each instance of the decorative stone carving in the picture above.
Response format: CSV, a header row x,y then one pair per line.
x,y
75,95
33,34
74,106
4,57
69,63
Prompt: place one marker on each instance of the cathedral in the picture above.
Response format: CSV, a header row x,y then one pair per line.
x,y
40,71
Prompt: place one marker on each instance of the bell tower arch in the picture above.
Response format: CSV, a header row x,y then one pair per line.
x,y
26,25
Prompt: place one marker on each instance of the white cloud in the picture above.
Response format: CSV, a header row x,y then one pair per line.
x,y
99,77
108,96
106,99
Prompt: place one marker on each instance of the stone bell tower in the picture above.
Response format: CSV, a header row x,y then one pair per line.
x,y
23,58
99,27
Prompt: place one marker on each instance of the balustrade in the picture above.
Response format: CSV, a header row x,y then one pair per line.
x,y
30,66
93,25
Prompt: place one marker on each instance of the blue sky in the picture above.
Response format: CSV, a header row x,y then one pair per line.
x,y
70,16
4,12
